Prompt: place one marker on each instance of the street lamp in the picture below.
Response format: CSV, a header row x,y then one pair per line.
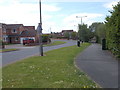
x,y
81,21
39,29
81,18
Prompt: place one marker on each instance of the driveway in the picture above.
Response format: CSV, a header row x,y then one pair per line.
x,y
11,57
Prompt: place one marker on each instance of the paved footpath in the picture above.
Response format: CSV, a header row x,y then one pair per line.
x,y
99,65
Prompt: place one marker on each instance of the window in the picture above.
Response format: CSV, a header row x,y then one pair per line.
x,y
5,38
4,30
14,31
16,39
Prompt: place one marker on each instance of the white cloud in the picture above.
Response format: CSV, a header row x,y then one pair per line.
x,y
47,8
13,11
78,0
110,4
71,20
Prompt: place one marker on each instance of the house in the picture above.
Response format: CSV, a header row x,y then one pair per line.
x,y
14,33
67,33
30,33
0,31
64,34
64,31
4,36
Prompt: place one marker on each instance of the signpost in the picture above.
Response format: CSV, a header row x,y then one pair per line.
x,y
39,30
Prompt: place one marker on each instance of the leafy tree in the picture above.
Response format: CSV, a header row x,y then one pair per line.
x,y
113,30
100,32
67,35
96,29
74,35
45,38
84,33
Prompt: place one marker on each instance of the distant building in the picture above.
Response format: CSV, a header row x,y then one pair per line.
x,y
15,33
64,31
68,33
0,31
64,34
31,34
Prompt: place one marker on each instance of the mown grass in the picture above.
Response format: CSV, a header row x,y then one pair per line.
x,y
8,50
55,70
55,43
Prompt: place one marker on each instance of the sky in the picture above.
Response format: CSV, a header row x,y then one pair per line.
x,y
57,15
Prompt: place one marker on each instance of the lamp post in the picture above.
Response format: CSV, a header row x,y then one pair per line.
x,y
81,21
81,18
39,29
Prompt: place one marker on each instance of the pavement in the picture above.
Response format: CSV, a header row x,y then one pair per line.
x,y
25,52
99,65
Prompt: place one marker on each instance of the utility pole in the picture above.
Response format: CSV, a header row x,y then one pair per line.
x,y
40,32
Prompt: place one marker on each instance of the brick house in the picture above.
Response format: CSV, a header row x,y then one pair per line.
x,y
69,32
29,32
12,33
0,31
4,32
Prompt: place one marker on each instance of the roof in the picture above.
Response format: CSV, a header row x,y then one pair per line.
x,y
31,33
13,26
29,28
67,30
13,35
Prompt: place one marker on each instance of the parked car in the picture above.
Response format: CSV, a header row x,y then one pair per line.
x,y
27,41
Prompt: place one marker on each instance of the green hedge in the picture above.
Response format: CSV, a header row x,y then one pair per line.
x,y
45,38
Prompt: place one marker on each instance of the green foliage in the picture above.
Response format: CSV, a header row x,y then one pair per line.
x,y
45,38
8,50
99,31
113,30
74,35
67,35
84,33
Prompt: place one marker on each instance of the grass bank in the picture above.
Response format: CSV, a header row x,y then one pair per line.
x,y
8,50
55,43
55,70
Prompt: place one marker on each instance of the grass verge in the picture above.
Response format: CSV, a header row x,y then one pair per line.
x,y
8,50
55,70
55,43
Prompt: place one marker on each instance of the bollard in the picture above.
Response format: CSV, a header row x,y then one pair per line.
x,y
78,43
104,44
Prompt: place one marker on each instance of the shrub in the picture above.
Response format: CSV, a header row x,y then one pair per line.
x,y
45,38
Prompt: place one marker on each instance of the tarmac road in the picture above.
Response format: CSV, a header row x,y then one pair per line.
x,y
11,57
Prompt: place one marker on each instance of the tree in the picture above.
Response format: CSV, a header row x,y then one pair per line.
x,y
113,30
100,32
67,35
97,28
74,35
84,33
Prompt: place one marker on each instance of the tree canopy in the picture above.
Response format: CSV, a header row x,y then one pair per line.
x,y
113,30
